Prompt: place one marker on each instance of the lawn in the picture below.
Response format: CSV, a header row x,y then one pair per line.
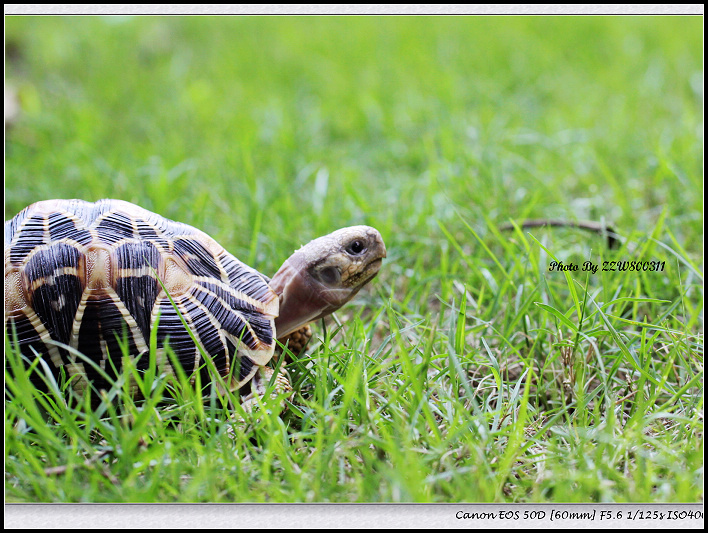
x,y
468,370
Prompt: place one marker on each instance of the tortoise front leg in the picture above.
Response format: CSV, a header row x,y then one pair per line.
x,y
259,386
254,400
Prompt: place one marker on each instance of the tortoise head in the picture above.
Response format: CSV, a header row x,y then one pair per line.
x,y
325,274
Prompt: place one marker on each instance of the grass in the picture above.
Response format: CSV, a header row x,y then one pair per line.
x,y
467,372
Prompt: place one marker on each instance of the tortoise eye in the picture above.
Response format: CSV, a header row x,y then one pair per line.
x,y
356,248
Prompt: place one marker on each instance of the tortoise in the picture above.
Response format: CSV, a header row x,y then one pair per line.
x,y
95,276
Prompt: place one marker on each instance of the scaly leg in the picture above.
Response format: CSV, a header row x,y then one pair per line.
x,y
297,340
259,385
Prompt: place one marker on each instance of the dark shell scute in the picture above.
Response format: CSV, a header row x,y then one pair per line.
x,y
137,255
214,300
243,277
114,227
30,235
171,330
56,304
198,259
139,293
245,367
208,335
63,227
48,261
145,230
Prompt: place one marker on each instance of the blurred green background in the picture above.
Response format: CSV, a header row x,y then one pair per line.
x,y
266,132
288,127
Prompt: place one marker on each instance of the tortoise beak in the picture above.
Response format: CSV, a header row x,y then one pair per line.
x,y
381,245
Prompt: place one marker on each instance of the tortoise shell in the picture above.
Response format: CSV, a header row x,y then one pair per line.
x,y
95,276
